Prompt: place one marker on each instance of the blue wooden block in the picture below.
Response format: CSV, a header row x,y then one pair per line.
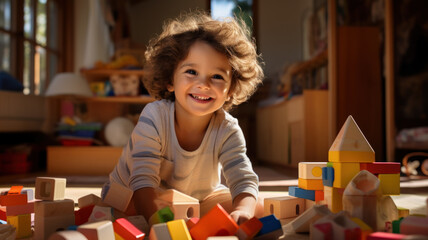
x,y
270,224
327,176
301,193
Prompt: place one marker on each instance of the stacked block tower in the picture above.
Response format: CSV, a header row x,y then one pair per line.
x,y
349,154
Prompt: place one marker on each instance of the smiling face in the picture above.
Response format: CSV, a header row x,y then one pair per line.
x,y
201,81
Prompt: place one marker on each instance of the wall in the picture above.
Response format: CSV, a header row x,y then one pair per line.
x,y
279,32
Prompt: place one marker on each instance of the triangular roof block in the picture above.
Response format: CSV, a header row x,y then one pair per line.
x,y
351,145
174,196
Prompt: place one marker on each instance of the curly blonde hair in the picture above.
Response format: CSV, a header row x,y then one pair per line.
x,y
230,37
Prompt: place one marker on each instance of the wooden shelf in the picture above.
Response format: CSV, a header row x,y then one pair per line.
x,y
108,72
144,99
311,64
413,146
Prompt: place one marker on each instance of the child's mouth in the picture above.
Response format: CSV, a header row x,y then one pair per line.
x,y
200,98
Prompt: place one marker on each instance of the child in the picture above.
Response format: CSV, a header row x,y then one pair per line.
x,y
197,69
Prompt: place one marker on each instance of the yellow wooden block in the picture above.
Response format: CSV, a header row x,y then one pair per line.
x,y
403,212
344,172
333,198
311,170
22,223
390,184
351,156
117,236
310,184
178,230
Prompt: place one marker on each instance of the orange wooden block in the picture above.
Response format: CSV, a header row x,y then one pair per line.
x,y
249,229
13,197
192,222
310,184
127,230
217,222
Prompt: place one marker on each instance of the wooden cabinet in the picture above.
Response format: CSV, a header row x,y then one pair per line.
x,y
93,160
295,130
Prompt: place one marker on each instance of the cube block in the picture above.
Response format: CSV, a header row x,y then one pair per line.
x,y
284,207
52,189
311,170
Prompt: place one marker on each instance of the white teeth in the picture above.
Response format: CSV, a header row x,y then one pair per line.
x,y
200,98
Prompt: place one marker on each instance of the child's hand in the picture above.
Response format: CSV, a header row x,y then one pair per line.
x,y
240,216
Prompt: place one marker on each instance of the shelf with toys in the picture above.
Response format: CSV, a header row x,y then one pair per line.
x,y
117,101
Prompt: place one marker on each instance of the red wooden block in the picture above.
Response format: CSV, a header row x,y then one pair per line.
x,y
192,222
3,214
217,222
319,195
127,230
82,215
326,229
15,210
381,167
385,236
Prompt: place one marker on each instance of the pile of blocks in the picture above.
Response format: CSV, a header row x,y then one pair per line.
x,y
347,197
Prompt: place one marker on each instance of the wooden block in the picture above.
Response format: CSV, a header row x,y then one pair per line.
x,y
351,145
52,216
7,232
270,224
344,172
118,196
403,212
159,232
366,230
342,227
311,184
178,230
321,231
284,207
192,222
302,222
162,215
385,236
381,167
361,197
3,215
309,203
48,188
216,221
386,212
139,222
97,230
90,199
118,237
333,198
67,235
311,170
328,176
127,230
271,235
13,197
182,205
414,225
390,184
14,210
101,213
22,223
82,215
249,229
301,193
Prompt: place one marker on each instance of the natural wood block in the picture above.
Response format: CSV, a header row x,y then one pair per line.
x,y
118,196
311,170
182,205
54,208
97,230
303,222
67,235
90,199
333,198
48,188
284,207
351,145
82,160
414,225
159,232
100,213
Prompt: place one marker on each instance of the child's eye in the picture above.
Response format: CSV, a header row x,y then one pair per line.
x,y
191,71
218,76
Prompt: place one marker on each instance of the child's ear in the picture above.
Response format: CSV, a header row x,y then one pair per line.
x,y
170,88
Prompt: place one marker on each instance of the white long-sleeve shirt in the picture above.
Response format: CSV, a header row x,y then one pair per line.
x,y
153,156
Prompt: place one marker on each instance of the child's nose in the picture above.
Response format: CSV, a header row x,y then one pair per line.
x,y
204,82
